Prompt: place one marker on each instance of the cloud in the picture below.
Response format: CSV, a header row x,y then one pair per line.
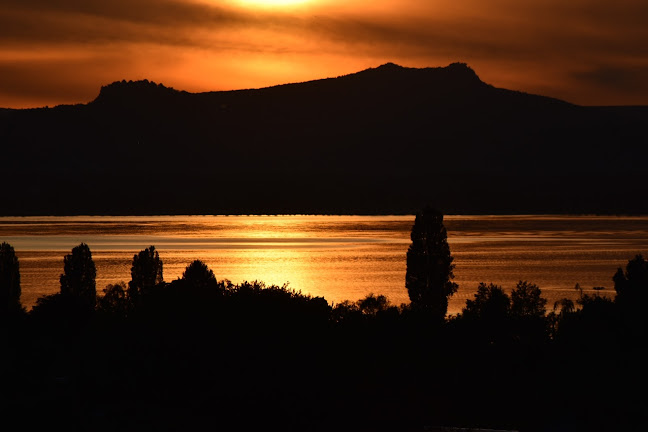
x,y
630,79
535,44
620,85
160,12
39,83
117,21
61,77
500,27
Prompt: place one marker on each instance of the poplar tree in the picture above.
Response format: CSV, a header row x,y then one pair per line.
x,y
79,273
146,273
9,279
429,264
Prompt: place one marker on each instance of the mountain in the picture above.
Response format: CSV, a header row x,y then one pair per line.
x,y
384,140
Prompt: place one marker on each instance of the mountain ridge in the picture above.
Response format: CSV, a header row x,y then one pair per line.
x,y
459,72
384,140
384,69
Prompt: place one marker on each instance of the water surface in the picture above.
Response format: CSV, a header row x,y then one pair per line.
x,y
337,257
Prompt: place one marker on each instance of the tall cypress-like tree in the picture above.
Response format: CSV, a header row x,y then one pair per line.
x,y
429,264
9,279
79,273
146,273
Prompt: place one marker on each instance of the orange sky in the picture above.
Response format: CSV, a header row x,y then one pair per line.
x,y
590,52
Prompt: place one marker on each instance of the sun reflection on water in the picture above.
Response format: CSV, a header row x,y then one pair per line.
x,y
337,257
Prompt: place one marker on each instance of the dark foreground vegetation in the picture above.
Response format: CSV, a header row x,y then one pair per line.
x,y
201,354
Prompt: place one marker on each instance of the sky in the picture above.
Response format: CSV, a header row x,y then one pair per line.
x,y
588,52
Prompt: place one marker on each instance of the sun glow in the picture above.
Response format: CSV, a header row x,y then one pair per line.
x,y
273,3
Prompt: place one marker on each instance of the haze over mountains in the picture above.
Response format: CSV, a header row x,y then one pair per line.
x,y
386,140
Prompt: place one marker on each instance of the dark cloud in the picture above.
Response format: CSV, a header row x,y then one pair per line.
x,y
547,29
162,12
162,22
541,36
414,37
624,79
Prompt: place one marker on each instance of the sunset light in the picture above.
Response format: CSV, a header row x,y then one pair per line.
x,y
273,3
51,54
324,215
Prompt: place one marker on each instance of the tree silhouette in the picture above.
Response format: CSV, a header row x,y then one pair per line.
x,y
429,264
198,275
564,306
487,316
146,273
527,301
345,311
79,273
490,303
530,324
631,286
9,279
372,305
564,311
631,289
114,301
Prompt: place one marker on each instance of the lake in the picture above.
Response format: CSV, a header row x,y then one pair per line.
x,y
337,257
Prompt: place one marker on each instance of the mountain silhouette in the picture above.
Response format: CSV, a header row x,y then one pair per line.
x,y
383,140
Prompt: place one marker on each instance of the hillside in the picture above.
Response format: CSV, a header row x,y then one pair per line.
x,y
383,140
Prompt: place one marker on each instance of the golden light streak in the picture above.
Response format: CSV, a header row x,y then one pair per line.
x,y
273,4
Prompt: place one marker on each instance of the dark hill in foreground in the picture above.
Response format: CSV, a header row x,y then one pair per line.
x,y
383,140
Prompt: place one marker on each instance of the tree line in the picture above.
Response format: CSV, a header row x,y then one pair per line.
x,y
199,351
